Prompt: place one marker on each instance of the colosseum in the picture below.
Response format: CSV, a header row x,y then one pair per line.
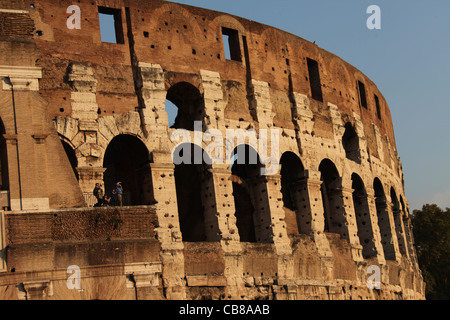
x,y
330,221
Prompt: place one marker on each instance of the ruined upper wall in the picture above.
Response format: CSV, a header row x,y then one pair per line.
x,y
183,40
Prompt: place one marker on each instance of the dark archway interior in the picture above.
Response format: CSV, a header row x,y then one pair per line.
x,y
72,157
246,171
383,220
190,104
191,179
362,213
330,179
127,160
292,171
350,142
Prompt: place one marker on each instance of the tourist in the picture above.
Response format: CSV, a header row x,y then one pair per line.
x,y
119,190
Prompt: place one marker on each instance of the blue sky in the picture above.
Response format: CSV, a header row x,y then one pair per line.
x,y
408,59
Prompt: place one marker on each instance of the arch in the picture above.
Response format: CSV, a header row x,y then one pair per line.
x,y
350,142
4,180
195,194
250,196
189,105
292,170
292,180
70,152
127,160
384,223
331,189
363,219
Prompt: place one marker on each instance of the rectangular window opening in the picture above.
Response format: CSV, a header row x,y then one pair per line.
x,y
231,44
314,80
362,94
111,28
377,103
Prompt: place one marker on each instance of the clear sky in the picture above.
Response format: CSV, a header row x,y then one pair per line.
x,y
408,59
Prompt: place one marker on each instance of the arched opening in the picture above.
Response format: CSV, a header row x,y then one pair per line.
x,y
195,194
383,220
127,160
398,222
184,106
331,189
250,196
363,220
292,171
72,157
292,187
350,142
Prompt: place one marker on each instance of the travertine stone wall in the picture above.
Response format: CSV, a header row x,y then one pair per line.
x,y
63,84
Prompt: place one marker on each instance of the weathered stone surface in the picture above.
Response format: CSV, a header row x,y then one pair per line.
x,y
334,207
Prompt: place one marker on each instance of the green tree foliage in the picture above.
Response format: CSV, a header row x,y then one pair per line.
x,y
431,227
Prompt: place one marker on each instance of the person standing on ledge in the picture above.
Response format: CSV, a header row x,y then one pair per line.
x,y
119,190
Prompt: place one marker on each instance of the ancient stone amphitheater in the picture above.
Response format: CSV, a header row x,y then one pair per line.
x,y
75,110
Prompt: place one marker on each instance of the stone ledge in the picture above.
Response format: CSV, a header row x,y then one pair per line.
x,y
206,281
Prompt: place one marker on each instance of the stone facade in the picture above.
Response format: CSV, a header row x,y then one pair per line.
x,y
76,111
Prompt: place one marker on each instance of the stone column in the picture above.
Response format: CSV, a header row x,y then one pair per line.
x,y
152,100
168,230
145,279
314,223
350,225
394,241
84,105
280,237
213,97
38,290
410,239
262,105
278,225
400,232
226,220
